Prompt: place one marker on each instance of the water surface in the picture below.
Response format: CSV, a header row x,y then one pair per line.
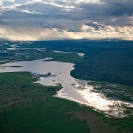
x,y
73,89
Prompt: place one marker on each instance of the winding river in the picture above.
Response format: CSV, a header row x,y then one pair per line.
x,y
73,89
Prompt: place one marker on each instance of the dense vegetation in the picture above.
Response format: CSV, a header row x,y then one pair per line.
x,y
26,107
110,61
105,60
31,108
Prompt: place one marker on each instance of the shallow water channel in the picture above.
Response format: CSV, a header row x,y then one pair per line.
x,y
73,89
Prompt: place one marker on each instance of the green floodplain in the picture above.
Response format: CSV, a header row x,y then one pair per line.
x,y
26,107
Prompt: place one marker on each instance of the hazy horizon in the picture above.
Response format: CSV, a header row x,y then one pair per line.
x,y
33,20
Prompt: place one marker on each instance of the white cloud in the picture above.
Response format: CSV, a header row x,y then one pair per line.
x,y
38,33
9,0
88,1
2,1
66,19
30,12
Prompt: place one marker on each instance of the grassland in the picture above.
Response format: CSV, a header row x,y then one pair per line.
x,y
105,60
26,107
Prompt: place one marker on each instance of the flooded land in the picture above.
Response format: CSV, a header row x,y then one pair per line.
x,y
72,89
80,84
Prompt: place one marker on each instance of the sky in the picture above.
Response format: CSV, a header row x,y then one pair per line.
x,y
24,20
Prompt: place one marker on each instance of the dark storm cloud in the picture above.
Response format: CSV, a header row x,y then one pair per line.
x,y
40,11
82,10
109,8
95,25
119,8
71,16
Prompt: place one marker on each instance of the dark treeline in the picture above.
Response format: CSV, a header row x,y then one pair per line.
x,y
105,60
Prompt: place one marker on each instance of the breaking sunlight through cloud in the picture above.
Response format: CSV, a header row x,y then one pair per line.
x,y
66,19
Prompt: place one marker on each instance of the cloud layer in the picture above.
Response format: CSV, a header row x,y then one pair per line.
x,y
61,19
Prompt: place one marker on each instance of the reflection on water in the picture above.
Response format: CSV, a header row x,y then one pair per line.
x,y
73,89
